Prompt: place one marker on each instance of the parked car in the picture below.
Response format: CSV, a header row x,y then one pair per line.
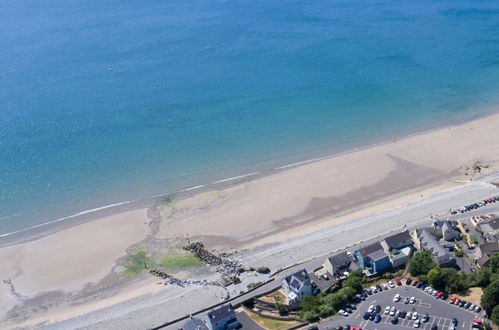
x,y
406,300
370,309
348,310
454,321
414,282
366,315
419,285
440,294
457,302
472,307
467,305
384,286
417,323
393,310
412,300
415,315
425,318
379,288
409,315
394,320
434,326
462,303
408,281
372,316
396,298
478,309
387,309
391,284
377,308
398,282
403,314
374,289
377,318
314,327
342,312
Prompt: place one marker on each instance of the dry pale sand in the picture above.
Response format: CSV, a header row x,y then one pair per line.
x,y
68,260
273,207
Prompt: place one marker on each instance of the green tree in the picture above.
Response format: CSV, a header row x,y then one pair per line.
x,y
421,263
310,303
435,279
326,310
495,315
494,262
353,282
490,296
310,316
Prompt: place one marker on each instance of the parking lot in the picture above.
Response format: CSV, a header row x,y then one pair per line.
x,y
440,311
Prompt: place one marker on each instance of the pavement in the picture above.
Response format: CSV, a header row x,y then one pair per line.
x,y
247,322
441,312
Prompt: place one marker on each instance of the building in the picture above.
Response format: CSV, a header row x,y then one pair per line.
x,y
490,229
337,263
445,230
372,259
296,286
398,247
484,251
221,318
425,240
194,323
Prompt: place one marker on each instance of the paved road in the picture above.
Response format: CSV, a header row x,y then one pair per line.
x,y
440,312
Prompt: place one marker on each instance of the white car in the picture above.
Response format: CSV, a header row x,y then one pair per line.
x,y
391,284
396,298
409,315
387,309
342,312
434,293
417,323
428,289
393,311
412,300
472,307
373,289
406,300
370,309
415,315
384,286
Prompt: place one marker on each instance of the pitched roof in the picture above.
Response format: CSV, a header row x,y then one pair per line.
x,y
221,313
194,324
378,255
430,243
494,223
339,259
489,248
367,250
483,260
398,238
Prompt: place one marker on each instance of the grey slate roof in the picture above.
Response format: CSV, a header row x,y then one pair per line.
x,y
494,224
297,279
194,324
367,250
489,248
429,242
398,238
221,313
339,259
378,255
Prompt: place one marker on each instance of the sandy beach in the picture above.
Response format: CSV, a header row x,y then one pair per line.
x,y
75,271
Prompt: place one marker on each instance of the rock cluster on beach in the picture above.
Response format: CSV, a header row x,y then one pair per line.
x,y
224,266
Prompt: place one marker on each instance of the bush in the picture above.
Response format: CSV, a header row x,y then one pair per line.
x,y
263,270
458,252
474,239
495,315
137,262
282,309
235,279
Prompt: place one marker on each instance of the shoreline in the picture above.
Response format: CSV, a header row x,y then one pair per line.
x,y
56,225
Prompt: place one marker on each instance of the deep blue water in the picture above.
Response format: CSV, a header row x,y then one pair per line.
x,y
106,101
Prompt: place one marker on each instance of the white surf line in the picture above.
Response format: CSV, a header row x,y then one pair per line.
x,y
10,216
235,177
192,188
300,163
65,218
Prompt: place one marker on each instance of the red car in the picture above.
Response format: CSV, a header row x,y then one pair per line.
x,y
398,282
457,302
414,283
440,294
355,328
452,300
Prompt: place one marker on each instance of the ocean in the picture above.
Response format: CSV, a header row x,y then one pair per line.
x,y
103,102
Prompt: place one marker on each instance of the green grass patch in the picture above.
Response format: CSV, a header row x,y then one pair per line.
x,y
136,263
180,261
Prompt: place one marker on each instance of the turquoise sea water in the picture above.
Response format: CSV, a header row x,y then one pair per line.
x,y
109,101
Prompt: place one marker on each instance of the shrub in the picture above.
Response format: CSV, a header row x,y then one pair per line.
x,y
421,263
263,270
282,309
310,316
